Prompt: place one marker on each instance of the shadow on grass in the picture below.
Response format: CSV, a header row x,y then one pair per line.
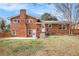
x,y
20,47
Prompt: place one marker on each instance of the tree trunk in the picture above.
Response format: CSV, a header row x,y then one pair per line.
x,y
70,29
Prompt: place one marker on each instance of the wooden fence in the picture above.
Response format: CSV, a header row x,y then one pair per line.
x,y
5,34
75,31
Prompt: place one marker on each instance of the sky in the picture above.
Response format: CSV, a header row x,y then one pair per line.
x,y
12,9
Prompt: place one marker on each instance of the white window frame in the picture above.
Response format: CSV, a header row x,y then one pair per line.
x,y
62,27
43,27
29,32
15,21
49,25
29,20
14,32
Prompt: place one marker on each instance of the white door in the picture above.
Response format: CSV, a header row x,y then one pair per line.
x,y
34,33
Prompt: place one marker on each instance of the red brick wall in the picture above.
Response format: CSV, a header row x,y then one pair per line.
x,y
23,27
51,31
20,27
55,30
75,31
38,30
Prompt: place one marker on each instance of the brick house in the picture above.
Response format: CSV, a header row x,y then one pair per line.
x,y
24,25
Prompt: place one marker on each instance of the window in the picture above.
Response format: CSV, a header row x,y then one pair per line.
x,y
30,32
43,26
15,21
62,27
30,21
50,25
13,32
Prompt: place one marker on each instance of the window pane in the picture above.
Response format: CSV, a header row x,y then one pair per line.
x,y
30,32
13,32
62,27
15,21
30,21
50,25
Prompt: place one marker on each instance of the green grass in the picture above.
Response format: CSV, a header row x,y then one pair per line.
x,y
53,45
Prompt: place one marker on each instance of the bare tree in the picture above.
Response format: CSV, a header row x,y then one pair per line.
x,y
70,12
76,16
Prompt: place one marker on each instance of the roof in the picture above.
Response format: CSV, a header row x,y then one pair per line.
x,y
58,22
12,17
53,22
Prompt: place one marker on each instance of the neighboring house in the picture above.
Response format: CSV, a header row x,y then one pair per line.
x,y
2,25
3,32
24,25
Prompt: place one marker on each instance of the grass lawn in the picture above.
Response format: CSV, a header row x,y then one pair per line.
x,y
53,45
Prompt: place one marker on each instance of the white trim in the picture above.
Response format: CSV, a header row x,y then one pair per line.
x,y
50,25
42,27
28,31
13,32
29,21
15,21
33,32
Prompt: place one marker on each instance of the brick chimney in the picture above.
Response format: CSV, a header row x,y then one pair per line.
x,y
22,13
